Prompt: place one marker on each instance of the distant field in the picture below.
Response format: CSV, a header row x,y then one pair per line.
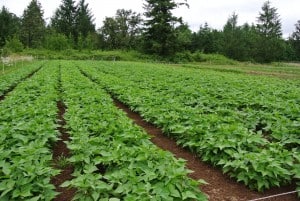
x,y
282,70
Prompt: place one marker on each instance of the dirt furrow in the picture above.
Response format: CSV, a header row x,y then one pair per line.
x,y
60,155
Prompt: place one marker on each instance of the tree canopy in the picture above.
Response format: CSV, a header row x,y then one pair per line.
x,y
121,31
157,31
160,27
33,25
63,20
9,25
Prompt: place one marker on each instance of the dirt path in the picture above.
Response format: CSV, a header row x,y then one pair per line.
x,y
220,187
60,154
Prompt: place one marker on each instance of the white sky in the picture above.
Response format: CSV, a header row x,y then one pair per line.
x,y
214,12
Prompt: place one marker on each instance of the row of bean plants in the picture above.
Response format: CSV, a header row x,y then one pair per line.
x,y
28,128
249,126
13,78
113,158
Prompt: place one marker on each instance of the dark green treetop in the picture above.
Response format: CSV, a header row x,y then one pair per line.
x,y
9,25
33,25
268,21
160,27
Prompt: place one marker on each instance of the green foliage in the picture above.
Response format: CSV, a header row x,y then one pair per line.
x,y
14,44
84,20
74,21
62,162
270,45
295,40
206,40
160,32
9,24
217,115
121,31
57,42
212,59
64,18
113,159
27,128
13,78
269,24
232,39
33,25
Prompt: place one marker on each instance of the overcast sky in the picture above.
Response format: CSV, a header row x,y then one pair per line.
x,y
214,12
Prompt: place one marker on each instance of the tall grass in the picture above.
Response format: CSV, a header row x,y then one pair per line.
x,y
119,55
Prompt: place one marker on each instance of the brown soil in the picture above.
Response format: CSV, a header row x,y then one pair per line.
x,y
220,187
61,152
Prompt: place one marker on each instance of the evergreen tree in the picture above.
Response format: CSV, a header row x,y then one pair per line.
x,y
184,37
232,38
248,42
269,24
295,40
9,25
84,20
160,31
64,18
206,40
270,45
33,25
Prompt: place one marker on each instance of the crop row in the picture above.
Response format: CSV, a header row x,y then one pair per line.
x,y
248,126
13,78
113,158
265,105
27,127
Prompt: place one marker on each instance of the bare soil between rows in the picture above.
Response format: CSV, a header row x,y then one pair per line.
x,y
61,152
221,187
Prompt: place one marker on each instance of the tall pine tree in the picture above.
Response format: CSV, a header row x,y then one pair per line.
x,y
84,20
232,38
160,36
295,39
270,45
64,18
74,21
269,24
9,25
33,25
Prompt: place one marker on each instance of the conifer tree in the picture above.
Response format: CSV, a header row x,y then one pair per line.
x,y
269,24
160,27
33,25
270,45
84,19
9,25
295,39
63,20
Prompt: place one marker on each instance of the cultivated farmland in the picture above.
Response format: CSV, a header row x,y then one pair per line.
x,y
247,126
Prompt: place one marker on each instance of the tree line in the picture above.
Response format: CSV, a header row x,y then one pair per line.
x,y
157,31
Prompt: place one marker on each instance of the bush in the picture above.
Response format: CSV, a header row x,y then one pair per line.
x,y
57,42
14,45
213,58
